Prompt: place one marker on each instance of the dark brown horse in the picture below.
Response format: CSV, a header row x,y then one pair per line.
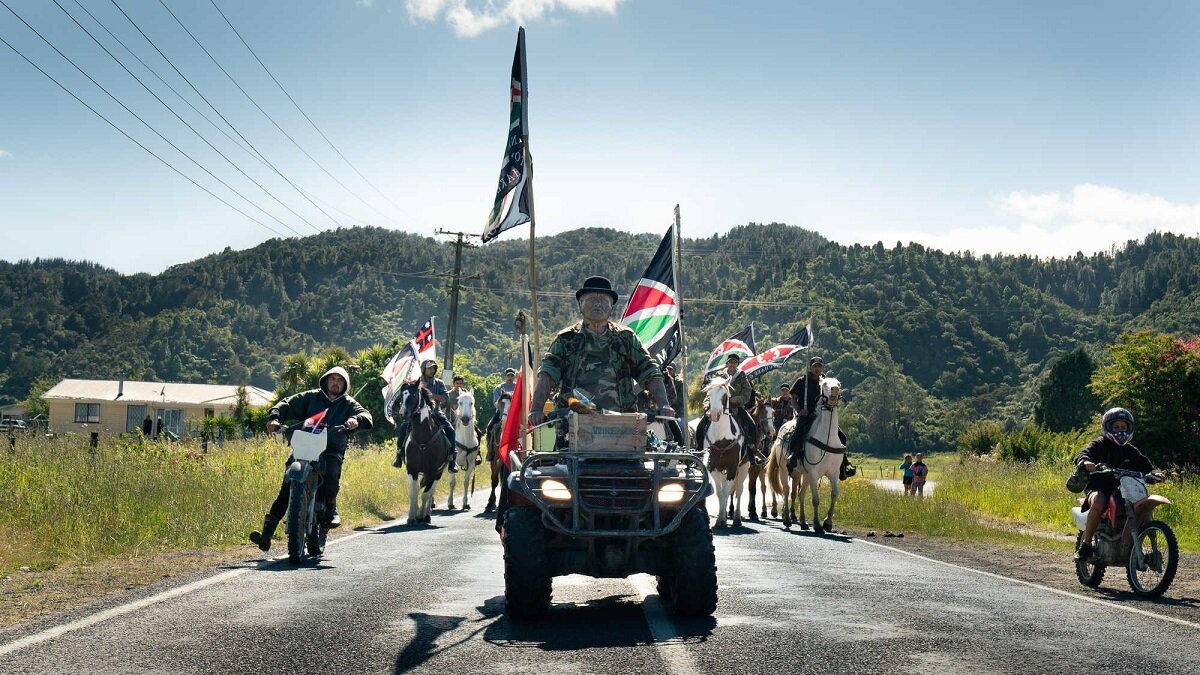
x,y
493,456
427,450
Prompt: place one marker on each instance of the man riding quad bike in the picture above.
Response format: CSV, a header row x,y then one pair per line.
x,y
602,505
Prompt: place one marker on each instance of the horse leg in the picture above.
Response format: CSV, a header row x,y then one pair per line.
x,y
753,512
722,498
453,487
834,488
491,504
470,471
414,488
739,484
801,486
815,484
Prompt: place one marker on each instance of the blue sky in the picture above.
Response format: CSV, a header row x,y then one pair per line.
x,y
1017,126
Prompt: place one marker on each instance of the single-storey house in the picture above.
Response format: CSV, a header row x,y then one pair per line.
x,y
124,406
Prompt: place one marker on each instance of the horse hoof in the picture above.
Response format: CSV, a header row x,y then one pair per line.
x,y
412,521
489,508
737,522
804,526
466,507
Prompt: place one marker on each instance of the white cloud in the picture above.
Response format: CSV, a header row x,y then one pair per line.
x,y
5,153
470,19
1090,218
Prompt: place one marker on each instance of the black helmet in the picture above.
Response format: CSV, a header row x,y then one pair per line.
x,y
1110,417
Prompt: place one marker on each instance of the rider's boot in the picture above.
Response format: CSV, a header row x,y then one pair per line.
x,y
263,539
450,463
331,513
399,460
1084,552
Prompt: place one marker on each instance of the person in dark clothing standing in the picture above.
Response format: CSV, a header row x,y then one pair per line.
x,y
335,408
806,394
784,411
147,426
1114,451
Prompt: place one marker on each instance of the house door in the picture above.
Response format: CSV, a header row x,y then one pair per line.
x,y
133,418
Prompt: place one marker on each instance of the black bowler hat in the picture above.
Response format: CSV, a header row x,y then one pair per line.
x,y
597,285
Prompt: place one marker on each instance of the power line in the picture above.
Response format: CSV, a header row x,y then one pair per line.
x,y
310,121
139,144
185,123
218,112
138,117
256,105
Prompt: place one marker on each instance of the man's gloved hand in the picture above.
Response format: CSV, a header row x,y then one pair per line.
x,y
536,417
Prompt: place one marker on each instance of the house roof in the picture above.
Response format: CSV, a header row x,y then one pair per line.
x,y
155,392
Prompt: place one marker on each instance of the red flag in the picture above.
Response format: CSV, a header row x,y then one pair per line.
x,y
515,436
315,421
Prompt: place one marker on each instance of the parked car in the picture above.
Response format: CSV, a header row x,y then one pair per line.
x,y
13,425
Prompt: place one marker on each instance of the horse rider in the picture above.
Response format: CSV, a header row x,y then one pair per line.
x,y
782,405
452,398
501,392
806,394
741,398
430,384
341,410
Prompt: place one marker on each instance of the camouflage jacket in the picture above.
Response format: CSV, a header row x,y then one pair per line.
x,y
628,358
741,392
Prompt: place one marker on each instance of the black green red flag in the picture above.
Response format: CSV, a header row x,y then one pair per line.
x,y
512,195
776,356
741,343
653,309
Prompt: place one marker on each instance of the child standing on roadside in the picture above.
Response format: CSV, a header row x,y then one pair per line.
x,y
906,467
920,473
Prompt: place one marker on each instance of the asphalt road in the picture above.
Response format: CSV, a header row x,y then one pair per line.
x,y
430,599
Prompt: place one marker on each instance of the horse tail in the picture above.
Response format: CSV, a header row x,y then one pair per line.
x,y
773,474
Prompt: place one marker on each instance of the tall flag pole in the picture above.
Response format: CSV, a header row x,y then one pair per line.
x,y
677,268
740,343
515,436
514,195
653,310
776,356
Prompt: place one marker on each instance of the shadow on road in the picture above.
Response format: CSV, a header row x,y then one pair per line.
x,y
404,527
733,531
1114,595
827,536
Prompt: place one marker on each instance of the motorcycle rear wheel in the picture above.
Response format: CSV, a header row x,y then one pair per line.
x,y
297,520
1090,572
1160,553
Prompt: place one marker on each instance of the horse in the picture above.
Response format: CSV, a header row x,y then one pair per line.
x,y
427,450
466,435
822,457
764,419
725,462
493,456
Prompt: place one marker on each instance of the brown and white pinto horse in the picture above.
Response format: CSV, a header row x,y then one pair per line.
x,y
427,451
726,465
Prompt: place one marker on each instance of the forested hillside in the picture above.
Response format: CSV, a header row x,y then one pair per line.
x,y
925,341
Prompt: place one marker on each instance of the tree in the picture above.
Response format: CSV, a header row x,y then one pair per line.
x,y
1064,400
1157,378
34,404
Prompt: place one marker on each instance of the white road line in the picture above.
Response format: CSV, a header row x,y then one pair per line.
x,y
666,637
1069,594
113,612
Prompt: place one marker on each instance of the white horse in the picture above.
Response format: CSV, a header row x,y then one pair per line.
x,y
823,452
466,440
724,442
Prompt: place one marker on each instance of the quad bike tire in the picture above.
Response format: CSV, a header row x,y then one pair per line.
x,y
689,589
527,579
1090,573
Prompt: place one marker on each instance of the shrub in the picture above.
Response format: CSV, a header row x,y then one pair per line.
x,y
980,438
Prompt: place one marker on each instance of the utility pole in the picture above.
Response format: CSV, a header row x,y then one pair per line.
x,y
455,286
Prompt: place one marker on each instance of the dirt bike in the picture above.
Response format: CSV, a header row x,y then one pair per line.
x,y
1149,551
306,526
606,504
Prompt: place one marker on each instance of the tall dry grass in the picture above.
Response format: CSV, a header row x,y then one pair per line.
x,y
63,502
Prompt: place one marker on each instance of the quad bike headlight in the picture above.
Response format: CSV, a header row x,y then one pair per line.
x,y
555,489
671,493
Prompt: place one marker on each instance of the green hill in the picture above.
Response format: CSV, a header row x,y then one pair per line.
x,y
925,341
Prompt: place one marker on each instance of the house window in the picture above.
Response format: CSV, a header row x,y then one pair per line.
x,y
87,413
172,421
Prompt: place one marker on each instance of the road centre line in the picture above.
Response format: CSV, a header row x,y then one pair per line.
x,y
672,650
1094,601
121,610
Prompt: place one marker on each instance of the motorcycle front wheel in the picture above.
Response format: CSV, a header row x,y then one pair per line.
x,y
297,519
1090,572
1160,557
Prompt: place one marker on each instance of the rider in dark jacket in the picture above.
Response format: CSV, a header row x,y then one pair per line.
x,y
806,394
1113,450
340,410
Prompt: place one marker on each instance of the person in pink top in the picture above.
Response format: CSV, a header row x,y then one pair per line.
x,y
920,473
